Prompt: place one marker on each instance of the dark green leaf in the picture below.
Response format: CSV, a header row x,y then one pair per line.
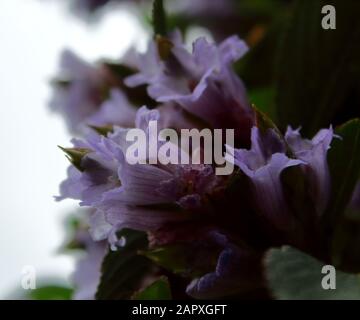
x,y
159,18
172,258
344,166
294,275
264,98
158,290
346,243
103,131
121,70
301,203
61,83
316,67
257,67
184,260
124,270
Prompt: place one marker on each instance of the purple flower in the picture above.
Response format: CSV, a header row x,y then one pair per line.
x,y
87,272
99,172
263,164
81,92
140,196
78,90
314,154
90,255
237,271
267,159
115,111
202,82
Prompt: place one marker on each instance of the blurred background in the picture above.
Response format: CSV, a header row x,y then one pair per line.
x,y
32,35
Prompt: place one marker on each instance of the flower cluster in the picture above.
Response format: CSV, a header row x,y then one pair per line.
x,y
220,227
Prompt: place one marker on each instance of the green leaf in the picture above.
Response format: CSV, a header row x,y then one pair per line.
x,y
75,156
73,224
318,69
172,258
121,70
346,243
339,231
103,131
182,261
159,18
123,270
51,292
257,67
264,99
296,186
344,165
294,275
60,83
158,290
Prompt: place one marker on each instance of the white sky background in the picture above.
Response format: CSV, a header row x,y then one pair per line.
x,y
32,34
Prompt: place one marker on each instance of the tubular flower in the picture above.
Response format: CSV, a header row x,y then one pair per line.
x,y
263,164
140,196
83,96
200,81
